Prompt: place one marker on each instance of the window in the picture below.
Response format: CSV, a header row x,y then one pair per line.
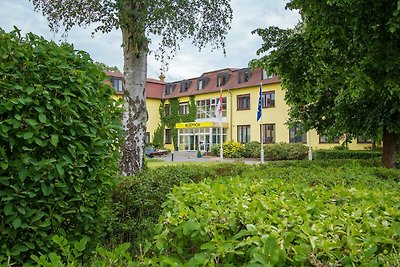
x,y
297,135
168,136
167,110
147,138
117,84
264,75
202,83
183,108
243,102
206,108
268,99
185,86
169,88
323,139
222,79
268,133
363,140
243,134
244,75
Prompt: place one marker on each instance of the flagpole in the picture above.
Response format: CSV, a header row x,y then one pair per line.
x,y
262,130
221,150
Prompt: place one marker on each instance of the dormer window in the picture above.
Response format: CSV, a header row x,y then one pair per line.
x,y
169,88
185,86
118,84
202,83
265,75
222,79
244,75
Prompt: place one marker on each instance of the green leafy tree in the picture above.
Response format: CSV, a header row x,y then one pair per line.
x,y
340,67
60,134
173,20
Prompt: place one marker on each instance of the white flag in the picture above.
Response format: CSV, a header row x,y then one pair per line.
x,y
218,110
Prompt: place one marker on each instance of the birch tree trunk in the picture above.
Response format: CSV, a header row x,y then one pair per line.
x,y
135,115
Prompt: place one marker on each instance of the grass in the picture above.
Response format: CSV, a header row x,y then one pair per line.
x,y
156,163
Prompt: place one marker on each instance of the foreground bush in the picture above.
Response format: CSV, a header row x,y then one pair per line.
x,y
59,132
293,216
136,201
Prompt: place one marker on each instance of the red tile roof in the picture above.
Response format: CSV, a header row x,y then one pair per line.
x,y
155,88
232,83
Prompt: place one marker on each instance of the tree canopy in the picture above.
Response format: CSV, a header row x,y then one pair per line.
x,y
340,68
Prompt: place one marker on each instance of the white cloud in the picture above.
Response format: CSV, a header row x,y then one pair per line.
x,y
241,45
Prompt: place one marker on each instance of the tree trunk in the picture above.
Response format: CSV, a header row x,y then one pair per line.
x,y
135,115
389,153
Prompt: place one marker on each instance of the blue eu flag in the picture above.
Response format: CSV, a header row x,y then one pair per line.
x,y
259,112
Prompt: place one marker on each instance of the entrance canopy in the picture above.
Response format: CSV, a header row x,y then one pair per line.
x,y
193,136
203,124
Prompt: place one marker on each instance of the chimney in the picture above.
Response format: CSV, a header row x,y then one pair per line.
x,y
162,77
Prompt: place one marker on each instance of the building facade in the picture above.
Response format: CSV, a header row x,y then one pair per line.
x,y
239,91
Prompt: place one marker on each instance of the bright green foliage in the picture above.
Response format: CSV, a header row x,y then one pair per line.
x,y
232,150
306,215
59,138
136,201
346,154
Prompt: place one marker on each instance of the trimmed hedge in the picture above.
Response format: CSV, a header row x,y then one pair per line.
x,y
295,216
136,201
346,154
59,137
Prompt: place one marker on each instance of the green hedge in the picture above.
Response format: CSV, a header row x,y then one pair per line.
x,y
59,137
136,201
280,151
295,216
346,154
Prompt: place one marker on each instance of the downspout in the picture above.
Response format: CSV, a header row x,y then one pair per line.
x,y
231,115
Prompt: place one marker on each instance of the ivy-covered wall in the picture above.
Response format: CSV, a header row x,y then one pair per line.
x,y
170,121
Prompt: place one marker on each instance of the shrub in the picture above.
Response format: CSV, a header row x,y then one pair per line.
x,y
285,151
233,150
59,138
325,216
252,150
136,201
346,154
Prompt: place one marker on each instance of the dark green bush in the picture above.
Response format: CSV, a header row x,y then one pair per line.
x,y
136,201
59,138
346,154
252,150
285,151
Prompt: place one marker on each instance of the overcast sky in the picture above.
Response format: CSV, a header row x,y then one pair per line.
x,y
241,45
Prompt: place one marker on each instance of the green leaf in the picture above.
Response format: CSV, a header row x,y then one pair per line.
x,y
16,222
190,226
8,210
31,122
45,189
4,180
54,139
81,245
27,135
42,118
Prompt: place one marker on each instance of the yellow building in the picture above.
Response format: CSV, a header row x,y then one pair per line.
x,y
240,89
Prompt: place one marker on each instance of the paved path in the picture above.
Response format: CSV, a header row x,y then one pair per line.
x,y
191,156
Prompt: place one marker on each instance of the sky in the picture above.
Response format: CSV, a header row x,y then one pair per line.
x,y
189,62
